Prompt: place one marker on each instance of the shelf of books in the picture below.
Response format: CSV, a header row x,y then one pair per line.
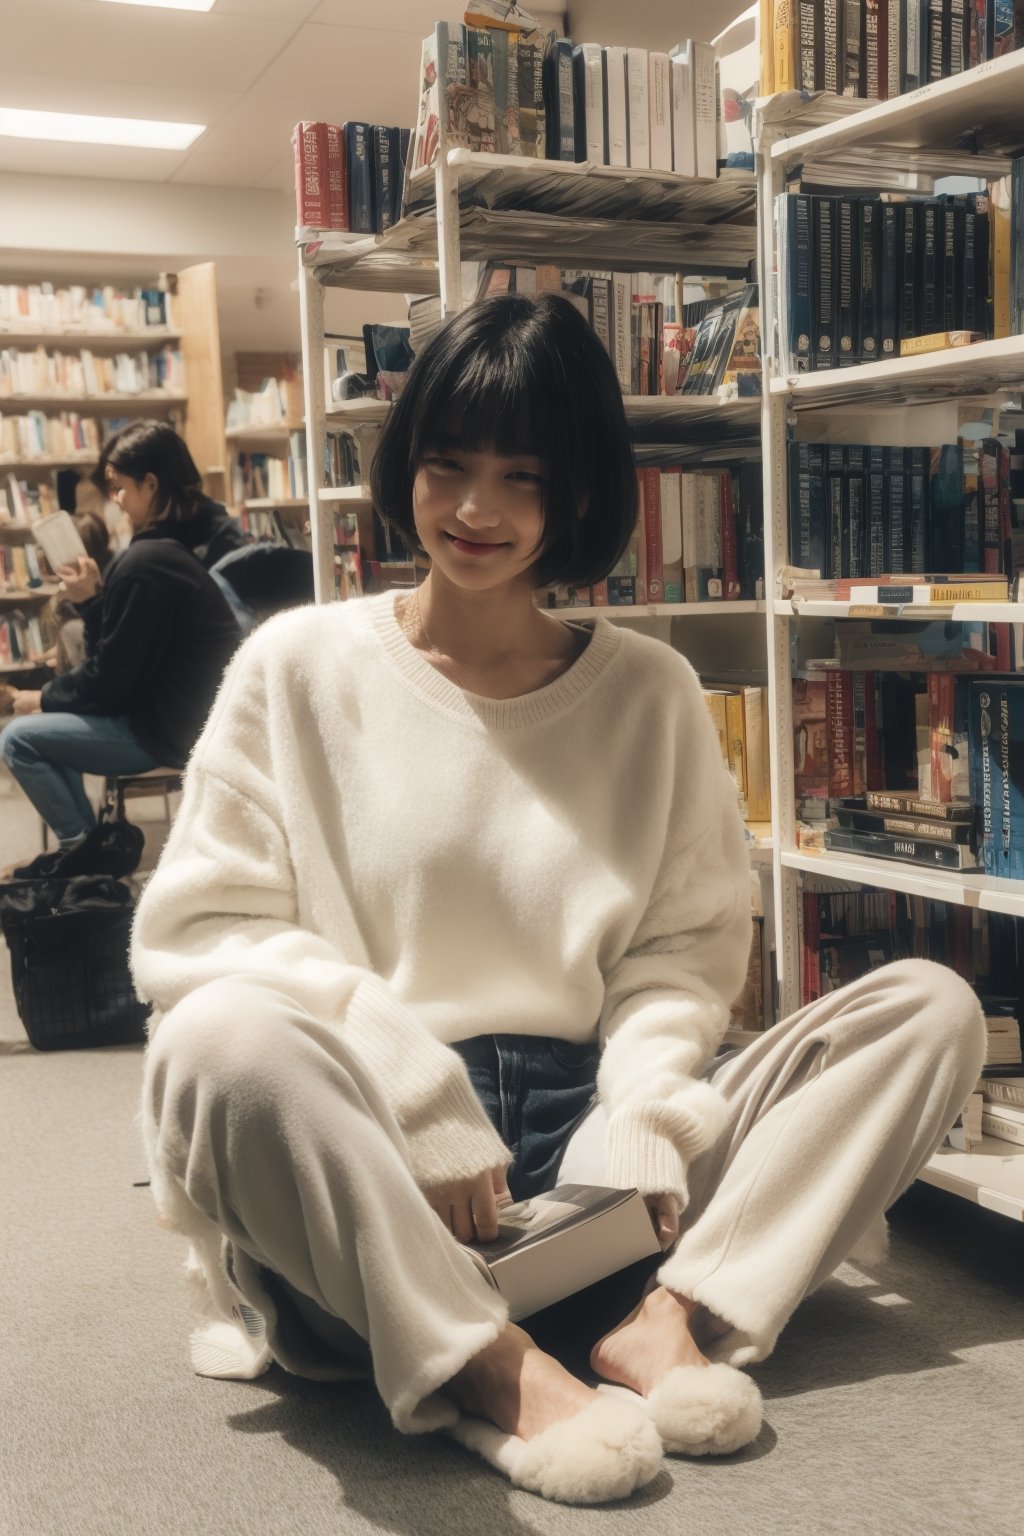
x,y
893,434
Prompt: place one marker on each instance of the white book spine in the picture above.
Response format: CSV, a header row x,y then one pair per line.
x,y
688,518
1001,1126
622,317
705,109
638,112
684,158
616,121
671,536
659,88
593,102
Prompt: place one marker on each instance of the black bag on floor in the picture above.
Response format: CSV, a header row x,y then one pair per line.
x,y
69,961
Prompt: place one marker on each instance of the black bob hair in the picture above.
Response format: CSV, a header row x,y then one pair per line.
x,y
514,375
154,447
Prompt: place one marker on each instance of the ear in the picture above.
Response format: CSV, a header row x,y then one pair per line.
x,y
150,483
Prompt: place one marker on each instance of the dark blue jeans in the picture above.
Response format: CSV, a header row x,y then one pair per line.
x,y
535,1091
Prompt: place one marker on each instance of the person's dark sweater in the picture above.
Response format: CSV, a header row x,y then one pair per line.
x,y
211,533
158,637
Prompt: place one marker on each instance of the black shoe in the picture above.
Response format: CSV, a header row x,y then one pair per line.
x,y
40,868
111,848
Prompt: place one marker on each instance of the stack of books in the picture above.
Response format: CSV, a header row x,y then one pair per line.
x,y
883,48
349,176
875,277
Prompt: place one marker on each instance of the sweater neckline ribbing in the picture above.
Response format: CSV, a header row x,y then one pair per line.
x,y
500,714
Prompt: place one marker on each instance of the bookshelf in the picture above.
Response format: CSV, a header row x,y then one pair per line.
x,y
966,125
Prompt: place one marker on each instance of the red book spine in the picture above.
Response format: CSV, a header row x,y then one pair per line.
x,y
650,480
599,595
839,715
311,206
730,554
337,178
811,945
874,774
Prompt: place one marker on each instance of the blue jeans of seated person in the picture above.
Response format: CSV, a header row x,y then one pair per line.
x,y
48,754
535,1091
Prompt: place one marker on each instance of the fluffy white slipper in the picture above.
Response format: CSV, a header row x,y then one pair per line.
x,y
706,1410
605,1452
229,1352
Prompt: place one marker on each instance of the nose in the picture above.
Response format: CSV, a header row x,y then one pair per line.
x,y
477,508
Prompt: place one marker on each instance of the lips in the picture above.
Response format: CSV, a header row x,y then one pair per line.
x,y
473,546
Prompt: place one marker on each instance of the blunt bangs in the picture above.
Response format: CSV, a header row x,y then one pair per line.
x,y
516,376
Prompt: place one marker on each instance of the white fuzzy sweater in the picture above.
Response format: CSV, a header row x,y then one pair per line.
x,y
416,865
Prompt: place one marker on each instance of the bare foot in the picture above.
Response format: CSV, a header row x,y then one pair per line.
x,y
655,1337
517,1386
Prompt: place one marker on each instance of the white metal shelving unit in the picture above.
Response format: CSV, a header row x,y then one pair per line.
x,y
967,125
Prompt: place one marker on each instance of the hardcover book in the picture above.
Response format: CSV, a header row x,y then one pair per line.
x,y
560,1242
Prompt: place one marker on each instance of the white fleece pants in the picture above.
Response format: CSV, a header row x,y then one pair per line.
x,y
272,1150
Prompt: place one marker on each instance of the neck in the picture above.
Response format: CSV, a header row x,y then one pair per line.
x,y
481,629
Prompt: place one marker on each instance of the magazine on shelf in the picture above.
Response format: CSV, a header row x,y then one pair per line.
x,y
558,1243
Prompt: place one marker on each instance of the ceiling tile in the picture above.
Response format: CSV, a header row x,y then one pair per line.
x,y
392,15
203,170
143,45
32,157
170,103
367,75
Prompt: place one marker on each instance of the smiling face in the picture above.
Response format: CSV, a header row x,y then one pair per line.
x,y
479,514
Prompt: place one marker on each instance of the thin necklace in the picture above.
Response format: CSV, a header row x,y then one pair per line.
x,y
442,661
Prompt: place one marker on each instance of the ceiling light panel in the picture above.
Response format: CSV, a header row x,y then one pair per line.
x,y
77,128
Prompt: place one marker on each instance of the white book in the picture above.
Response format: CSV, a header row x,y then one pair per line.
x,y
59,539
558,1243
688,518
705,109
684,147
995,1123
593,100
622,328
672,535
638,112
615,112
659,92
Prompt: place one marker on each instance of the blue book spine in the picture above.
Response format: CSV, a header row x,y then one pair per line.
x,y
870,295
558,104
1011,727
824,281
890,281
798,280
917,510
876,512
896,511
807,505
983,771
835,489
856,486
359,165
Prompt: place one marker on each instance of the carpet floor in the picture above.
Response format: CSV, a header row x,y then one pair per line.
x,y
894,1402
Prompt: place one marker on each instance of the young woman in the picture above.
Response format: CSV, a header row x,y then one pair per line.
x,y
447,864
158,636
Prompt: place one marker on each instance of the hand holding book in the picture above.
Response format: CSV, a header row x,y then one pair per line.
x,y
664,1213
469,1207
80,579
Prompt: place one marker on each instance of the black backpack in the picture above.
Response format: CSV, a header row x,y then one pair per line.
x,y
69,961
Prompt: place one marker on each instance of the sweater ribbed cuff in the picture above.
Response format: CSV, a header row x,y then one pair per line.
x,y
427,1086
652,1142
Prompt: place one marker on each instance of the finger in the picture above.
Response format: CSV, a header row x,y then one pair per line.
x,y
499,1184
668,1220
485,1213
462,1221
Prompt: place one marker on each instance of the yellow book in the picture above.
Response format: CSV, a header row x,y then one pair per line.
x,y
737,740
716,707
755,711
999,211
784,33
765,48
938,341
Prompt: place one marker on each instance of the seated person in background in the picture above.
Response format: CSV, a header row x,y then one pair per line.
x,y
264,579
204,526
159,634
